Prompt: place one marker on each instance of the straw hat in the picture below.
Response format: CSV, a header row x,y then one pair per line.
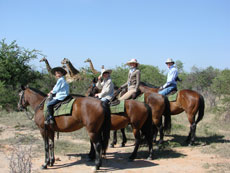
x,y
60,69
132,61
105,71
169,60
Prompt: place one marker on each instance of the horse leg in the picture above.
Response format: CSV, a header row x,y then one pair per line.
x,y
155,132
193,132
51,148
137,143
98,151
46,144
91,154
161,129
114,139
124,139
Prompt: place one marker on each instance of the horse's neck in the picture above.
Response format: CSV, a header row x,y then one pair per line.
x,y
35,101
145,89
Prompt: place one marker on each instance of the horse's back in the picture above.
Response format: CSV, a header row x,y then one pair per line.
x,y
88,109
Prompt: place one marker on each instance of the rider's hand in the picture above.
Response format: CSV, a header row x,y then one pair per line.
x,y
161,88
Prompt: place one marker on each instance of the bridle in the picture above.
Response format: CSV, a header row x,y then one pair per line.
x,y
22,107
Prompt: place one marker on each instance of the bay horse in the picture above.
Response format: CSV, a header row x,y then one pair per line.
x,y
137,114
159,106
87,112
187,100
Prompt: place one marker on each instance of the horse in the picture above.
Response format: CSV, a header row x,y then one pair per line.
x,y
159,106
86,112
187,100
137,114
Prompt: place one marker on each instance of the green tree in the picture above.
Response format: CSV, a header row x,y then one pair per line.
x,y
15,70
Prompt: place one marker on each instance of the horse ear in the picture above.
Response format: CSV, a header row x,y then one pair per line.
x,y
94,80
24,87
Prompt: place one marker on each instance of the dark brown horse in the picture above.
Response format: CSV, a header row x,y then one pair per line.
x,y
137,114
187,100
86,111
159,106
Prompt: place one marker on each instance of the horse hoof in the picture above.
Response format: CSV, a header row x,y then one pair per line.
x,y
94,169
111,146
44,167
149,158
122,145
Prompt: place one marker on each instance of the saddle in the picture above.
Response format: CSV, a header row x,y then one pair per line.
x,y
65,101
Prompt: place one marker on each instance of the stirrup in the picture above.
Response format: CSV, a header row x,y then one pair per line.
x,y
49,120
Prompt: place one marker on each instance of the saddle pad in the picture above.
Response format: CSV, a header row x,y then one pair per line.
x,y
141,98
64,109
118,108
173,97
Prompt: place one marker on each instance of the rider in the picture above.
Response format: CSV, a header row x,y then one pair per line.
x,y
106,86
60,90
133,81
171,83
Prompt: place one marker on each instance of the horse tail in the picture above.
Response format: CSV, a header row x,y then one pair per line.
x,y
147,128
167,116
201,109
106,127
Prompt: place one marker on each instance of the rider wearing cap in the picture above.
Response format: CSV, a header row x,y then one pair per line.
x,y
171,83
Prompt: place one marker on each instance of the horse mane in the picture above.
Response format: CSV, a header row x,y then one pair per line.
x,y
38,91
148,85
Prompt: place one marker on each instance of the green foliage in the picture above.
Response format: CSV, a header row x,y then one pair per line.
x,y
120,75
152,75
14,71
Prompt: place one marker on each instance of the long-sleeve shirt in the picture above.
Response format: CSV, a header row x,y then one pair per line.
x,y
107,88
133,80
61,89
172,75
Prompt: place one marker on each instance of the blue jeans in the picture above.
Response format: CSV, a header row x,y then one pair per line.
x,y
51,104
167,90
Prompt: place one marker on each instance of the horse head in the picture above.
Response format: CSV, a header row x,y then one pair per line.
x,y
92,90
22,103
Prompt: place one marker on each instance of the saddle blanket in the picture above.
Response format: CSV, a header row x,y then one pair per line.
x,y
173,97
64,109
120,108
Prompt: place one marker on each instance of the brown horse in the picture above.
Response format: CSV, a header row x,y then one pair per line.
x,y
187,100
86,111
159,106
138,115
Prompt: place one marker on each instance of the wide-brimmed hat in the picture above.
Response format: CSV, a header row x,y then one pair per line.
x,y
60,69
105,71
169,60
132,61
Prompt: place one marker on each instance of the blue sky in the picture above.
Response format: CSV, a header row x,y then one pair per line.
x,y
111,32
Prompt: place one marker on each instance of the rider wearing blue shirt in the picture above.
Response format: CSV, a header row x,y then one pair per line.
x,y
171,83
60,90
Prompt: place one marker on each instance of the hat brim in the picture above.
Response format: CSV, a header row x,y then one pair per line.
x,y
170,62
106,71
60,69
128,63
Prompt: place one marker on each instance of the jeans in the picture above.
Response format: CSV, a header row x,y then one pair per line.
x,y
167,90
51,104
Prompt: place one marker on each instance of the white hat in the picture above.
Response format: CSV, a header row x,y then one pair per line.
x,y
169,60
105,71
132,61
